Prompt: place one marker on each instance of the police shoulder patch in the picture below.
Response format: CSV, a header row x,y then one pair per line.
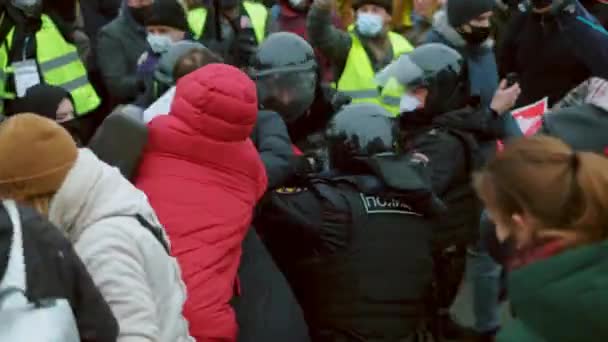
x,y
386,205
289,190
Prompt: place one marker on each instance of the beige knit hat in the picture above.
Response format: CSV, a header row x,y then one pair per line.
x,y
36,155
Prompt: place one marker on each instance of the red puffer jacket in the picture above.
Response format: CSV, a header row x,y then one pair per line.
x,y
203,176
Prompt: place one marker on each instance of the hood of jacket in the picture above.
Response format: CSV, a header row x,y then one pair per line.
x,y
449,34
93,191
568,288
212,115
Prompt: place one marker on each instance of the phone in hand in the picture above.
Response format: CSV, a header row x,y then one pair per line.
x,y
512,78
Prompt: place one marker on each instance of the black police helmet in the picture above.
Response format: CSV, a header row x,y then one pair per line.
x,y
285,71
436,67
357,132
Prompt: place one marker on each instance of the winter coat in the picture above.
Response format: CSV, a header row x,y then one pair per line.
x,y
272,141
451,142
53,270
120,45
267,309
552,54
97,207
203,177
481,62
562,298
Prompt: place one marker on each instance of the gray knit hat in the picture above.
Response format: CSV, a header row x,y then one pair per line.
x,y
166,64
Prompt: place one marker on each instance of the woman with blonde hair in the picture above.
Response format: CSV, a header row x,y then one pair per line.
x,y
552,203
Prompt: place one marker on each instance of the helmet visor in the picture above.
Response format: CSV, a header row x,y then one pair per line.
x,y
404,71
288,93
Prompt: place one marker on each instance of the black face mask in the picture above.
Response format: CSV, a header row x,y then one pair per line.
x,y
539,4
477,35
139,13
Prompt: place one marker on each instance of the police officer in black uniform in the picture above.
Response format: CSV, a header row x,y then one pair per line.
x,y
354,242
441,120
289,83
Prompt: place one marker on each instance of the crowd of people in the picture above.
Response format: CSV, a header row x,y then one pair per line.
x,y
303,170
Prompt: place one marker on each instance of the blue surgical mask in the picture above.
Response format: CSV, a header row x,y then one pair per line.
x,y
409,103
159,43
369,25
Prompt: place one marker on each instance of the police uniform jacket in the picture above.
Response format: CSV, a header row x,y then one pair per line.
x,y
356,252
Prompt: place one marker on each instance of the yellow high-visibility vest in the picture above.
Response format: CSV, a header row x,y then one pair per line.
x,y
357,79
59,65
256,12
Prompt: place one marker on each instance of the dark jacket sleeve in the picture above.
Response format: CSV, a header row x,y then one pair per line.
x,y
57,271
120,84
332,42
446,158
273,143
587,38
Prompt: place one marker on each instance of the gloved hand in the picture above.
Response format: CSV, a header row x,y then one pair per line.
x,y
246,47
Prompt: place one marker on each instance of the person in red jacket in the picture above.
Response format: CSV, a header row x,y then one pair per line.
x,y
203,176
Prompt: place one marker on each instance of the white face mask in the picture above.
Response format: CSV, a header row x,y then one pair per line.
x,y
409,103
369,25
298,4
159,43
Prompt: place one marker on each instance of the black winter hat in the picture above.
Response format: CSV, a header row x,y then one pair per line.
x,y
461,12
167,13
386,4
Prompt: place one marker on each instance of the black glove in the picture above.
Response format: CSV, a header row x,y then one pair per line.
x,y
247,46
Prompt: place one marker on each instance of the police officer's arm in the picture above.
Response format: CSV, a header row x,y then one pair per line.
x,y
446,158
273,144
120,84
332,42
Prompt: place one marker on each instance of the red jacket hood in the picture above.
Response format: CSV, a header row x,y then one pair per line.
x,y
203,177
219,101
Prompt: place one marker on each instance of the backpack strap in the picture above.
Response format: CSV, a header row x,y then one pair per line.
x,y
156,231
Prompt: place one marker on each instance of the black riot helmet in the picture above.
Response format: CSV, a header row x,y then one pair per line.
x,y
285,71
436,67
357,132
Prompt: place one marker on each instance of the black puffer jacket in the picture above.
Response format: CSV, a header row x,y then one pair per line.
x,y
451,142
55,271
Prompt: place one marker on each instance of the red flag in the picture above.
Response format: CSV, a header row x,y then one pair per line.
x,y
529,119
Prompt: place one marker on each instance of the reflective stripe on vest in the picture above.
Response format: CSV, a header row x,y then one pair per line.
x,y
257,13
59,65
357,79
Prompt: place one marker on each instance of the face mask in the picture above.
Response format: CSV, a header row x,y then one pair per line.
x,y
298,4
409,103
139,13
369,25
477,35
159,43
31,8
539,4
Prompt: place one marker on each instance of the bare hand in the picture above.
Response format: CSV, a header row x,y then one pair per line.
x,y
504,99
